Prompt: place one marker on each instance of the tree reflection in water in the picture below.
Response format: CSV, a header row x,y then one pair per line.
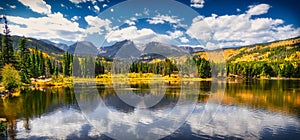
x,y
260,99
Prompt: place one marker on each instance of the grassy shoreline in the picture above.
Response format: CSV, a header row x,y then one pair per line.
x,y
121,79
131,77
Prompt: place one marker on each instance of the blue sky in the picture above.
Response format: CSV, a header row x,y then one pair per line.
x,y
207,23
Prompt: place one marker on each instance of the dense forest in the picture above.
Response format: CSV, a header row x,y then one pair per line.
x,y
275,59
264,69
30,63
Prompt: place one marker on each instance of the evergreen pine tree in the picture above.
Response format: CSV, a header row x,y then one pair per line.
x,y
76,67
47,67
42,64
7,52
24,61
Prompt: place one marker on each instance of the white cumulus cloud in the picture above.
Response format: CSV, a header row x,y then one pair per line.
x,y
258,9
38,6
12,6
130,21
162,19
138,36
97,25
184,40
175,34
84,1
197,3
53,26
96,8
75,18
242,29
104,5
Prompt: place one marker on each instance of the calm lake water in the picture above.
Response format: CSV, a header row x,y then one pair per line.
x,y
267,109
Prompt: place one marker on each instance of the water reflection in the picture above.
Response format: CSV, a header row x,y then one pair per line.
x,y
159,121
241,122
274,95
33,103
249,110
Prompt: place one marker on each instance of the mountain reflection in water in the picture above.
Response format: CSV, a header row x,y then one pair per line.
x,y
249,110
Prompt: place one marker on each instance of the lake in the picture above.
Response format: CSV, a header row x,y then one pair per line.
x,y
255,109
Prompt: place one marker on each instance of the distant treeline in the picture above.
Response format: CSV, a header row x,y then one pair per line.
x,y
266,69
89,67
